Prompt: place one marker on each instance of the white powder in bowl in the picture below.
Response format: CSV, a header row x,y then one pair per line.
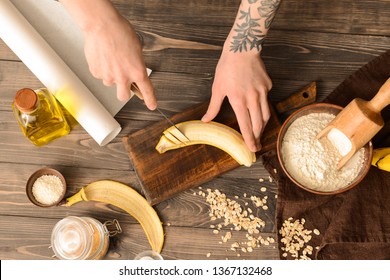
x,y
47,189
312,162
340,141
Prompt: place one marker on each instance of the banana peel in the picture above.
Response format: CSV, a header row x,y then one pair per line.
x,y
212,133
381,158
129,200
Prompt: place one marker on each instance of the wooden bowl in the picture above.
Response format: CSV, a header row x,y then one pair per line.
x,y
321,108
35,176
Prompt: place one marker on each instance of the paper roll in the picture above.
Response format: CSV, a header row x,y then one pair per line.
x,y
54,74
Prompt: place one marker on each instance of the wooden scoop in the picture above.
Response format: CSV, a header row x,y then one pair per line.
x,y
360,121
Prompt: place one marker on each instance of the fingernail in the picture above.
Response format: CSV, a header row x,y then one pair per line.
x,y
255,148
123,98
152,107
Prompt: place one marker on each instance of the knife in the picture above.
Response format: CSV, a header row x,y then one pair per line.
x,y
138,93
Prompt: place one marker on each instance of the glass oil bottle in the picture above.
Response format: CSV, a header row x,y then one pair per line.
x,y
39,116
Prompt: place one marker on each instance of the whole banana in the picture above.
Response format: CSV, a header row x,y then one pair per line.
x,y
381,158
212,133
128,199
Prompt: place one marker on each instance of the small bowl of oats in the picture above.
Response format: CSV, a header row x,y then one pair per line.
x,y
311,163
46,187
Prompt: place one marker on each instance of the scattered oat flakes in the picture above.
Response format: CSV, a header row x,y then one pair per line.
x,y
259,202
261,180
223,208
275,171
235,218
227,236
316,231
208,255
295,238
263,189
270,179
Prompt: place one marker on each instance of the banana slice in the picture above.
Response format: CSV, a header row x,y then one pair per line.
x,y
212,133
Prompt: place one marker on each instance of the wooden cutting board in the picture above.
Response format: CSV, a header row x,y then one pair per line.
x,y
164,175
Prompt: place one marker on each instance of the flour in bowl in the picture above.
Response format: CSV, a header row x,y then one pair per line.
x,y
312,162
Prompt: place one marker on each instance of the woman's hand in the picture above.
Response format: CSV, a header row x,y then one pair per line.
x,y
243,79
112,48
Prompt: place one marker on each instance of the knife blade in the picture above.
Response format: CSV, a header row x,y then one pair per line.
x,y
138,93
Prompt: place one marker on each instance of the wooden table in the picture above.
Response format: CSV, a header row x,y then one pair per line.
x,y
313,40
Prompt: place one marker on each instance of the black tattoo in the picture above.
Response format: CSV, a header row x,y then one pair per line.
x,y
249,34
268,10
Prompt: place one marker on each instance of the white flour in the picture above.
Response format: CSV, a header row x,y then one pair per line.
x,y
312,162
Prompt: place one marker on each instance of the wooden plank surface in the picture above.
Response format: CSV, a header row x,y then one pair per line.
x,y
313,40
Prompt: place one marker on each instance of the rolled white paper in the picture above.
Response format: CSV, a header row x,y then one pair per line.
x,y
51,20
53,72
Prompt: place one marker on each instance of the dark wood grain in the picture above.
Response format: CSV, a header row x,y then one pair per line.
x,y
28,241
366,17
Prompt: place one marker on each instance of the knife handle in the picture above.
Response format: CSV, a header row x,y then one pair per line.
x,y
135,89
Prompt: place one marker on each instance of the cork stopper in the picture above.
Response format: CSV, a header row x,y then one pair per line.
x,y
26,100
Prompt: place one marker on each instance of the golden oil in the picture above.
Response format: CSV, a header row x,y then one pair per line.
x,y
39,116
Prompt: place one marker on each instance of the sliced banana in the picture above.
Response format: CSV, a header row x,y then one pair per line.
x,y
211,133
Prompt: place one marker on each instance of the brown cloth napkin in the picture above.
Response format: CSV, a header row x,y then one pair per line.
x,y
354,224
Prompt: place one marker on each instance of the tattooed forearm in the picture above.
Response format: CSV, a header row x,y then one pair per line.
x,y
248,33
268,10
251,27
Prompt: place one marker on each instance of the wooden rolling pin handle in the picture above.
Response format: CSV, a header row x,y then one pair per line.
x,y
381,99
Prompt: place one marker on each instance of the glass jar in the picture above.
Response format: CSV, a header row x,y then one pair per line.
x,y
81,238
148,255
39,116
